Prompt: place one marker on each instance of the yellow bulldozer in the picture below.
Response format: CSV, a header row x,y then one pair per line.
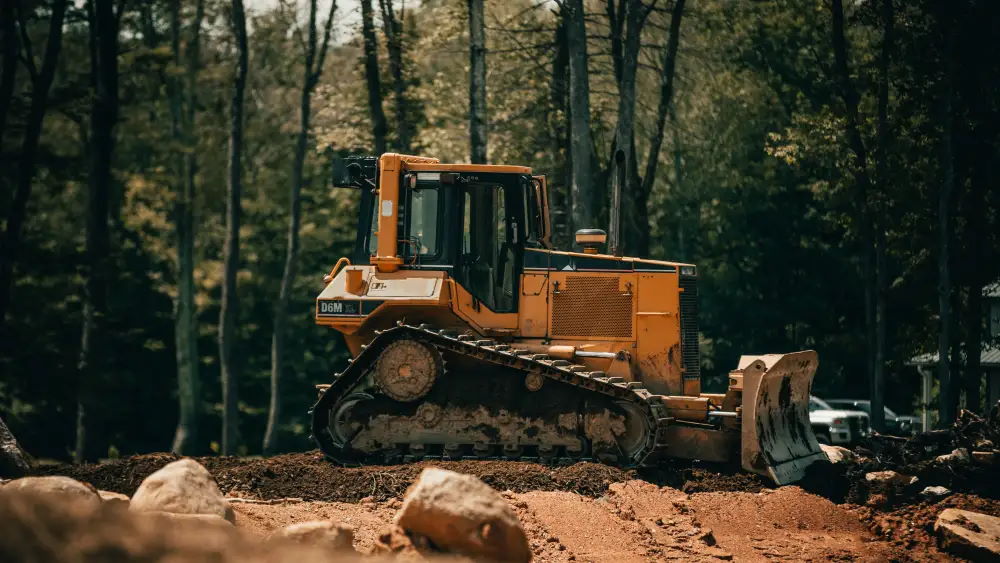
x,y
472,337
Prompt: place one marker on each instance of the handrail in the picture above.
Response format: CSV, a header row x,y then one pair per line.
x,y
336,268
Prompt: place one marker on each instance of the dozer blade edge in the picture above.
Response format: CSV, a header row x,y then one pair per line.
x,y
777,440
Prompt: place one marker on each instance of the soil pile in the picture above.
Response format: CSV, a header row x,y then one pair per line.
x,y
911,526
308,476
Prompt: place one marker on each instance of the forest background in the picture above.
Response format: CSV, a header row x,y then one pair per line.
x,y
167,215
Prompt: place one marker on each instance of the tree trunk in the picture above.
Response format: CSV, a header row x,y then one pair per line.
x,y
103,116
41,83
11,48
623,184
14,462
863,185
393,29
662,110
947,393
559,124
183,110
313,71
877,383
231,251
581,143
477,83
372,77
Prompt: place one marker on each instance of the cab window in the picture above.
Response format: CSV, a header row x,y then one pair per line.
x,y
421,225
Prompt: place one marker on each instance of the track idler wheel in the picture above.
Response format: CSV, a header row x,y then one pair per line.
x,y
406,370
633,440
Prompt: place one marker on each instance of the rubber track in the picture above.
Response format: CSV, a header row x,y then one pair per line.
x,y
499,354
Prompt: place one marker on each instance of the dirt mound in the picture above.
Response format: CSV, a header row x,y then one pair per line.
x,y
911,527
787,523
694,477
310,477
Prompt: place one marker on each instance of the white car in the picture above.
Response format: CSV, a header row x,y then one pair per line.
x,y
835,426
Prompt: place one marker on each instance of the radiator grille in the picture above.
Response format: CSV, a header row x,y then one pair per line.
x,y
689,327
592,306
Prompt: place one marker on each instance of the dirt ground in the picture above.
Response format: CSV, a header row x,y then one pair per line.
x,y
582,512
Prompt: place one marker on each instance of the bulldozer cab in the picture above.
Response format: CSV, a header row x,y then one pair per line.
x,y
473,222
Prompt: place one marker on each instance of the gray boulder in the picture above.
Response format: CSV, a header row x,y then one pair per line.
x,y
969,534
182,487
460,513
54,485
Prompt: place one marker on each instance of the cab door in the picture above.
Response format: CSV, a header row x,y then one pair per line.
x,y
490,255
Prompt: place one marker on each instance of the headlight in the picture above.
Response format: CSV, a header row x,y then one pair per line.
x,y
687,270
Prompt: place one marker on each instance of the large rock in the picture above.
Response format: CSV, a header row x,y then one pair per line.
x,y
64,487
182,487
322,533
969,534
837,454
462,514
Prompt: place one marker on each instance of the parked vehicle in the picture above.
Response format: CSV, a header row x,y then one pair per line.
x,y
840,427
897,424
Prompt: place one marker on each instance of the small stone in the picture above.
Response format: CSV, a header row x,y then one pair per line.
x,y
889,478
707,537
957,457
56,486
183,487
322,533
837,454
462,514
112,497
935,493
985,458
969,534
877,501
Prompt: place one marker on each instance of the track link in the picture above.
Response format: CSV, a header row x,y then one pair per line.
x,y
579,376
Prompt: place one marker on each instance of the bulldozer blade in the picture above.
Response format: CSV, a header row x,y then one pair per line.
x,y
777,439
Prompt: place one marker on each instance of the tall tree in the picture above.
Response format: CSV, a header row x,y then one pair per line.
x,y
947,395
231,250
581,143
561,175
41,83
315,55
103,117
14,462
372,77
477,82
623,174
183,102
392,27
668,65
862,183
877,381
979,85
10,48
